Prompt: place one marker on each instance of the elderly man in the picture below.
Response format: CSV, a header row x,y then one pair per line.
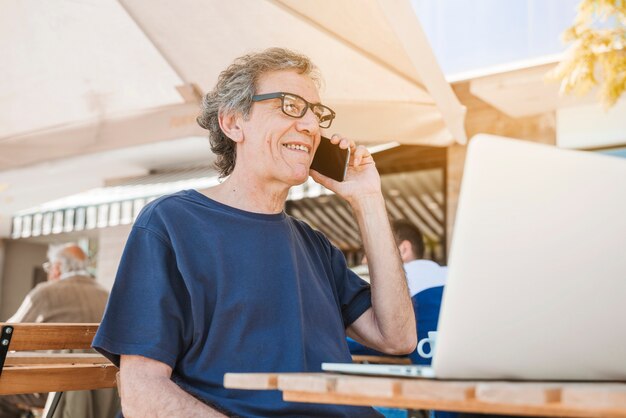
x,y
227,282
69,295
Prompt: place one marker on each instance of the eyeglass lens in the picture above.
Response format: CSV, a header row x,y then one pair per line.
x,y
296,106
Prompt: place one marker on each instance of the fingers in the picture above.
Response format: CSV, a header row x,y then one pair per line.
x,y
359,154
322,179
343,142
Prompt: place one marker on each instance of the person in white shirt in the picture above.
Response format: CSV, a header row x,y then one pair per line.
x,y
421,274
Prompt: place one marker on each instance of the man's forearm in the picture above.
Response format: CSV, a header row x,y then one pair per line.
x,y
392,309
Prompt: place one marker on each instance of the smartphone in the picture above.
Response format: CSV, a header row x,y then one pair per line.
x,y
330,160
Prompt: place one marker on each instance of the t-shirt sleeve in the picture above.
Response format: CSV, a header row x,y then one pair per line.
x,y
148,310
354,293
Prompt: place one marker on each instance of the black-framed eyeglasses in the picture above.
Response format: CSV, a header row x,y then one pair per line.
x,y
296,107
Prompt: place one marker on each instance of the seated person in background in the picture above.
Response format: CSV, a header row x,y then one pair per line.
x,y
425,280
70,295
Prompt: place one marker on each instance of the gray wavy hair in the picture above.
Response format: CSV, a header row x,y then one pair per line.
x,y
233,93
69,256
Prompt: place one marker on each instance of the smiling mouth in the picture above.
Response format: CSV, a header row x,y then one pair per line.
x,y
297,147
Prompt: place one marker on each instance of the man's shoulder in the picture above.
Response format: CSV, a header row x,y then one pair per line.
x,y
300,225
64,285
41,290
84,282
307,230
426,269
424,274
42,287
164,206
429,265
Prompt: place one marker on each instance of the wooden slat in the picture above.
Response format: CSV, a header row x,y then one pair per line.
x,y
250,381
589,395
555,410
385,387
380,359
519,393
433,390
31,379
396,402
28,337
311,382
28,358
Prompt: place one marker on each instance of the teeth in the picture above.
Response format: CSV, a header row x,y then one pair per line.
x,y
297,147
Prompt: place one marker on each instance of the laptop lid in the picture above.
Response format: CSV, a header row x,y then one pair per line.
x,y
537,270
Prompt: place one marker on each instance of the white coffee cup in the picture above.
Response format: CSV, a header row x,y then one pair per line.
x,y
431,340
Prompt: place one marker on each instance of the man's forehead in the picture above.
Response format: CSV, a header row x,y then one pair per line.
x,y
288,81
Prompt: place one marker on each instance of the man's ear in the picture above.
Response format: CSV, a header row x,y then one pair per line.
x,y
406,251
230,123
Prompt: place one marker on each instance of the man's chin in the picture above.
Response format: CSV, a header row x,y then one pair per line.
x,y
299,180
299,177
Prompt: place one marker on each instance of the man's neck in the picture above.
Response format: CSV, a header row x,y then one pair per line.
x,y
246,194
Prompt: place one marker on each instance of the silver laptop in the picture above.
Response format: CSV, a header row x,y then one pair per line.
x,y
537,270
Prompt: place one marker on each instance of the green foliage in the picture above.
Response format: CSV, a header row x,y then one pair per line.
x,y
598,54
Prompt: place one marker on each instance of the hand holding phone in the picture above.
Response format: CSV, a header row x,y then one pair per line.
x,y
330,160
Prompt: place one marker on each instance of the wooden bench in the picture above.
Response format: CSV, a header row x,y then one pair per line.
x,y
22,370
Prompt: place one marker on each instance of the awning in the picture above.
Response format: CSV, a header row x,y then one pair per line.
x,y
416,196
84,77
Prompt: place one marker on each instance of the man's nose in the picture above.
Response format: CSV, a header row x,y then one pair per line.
x,y
308,123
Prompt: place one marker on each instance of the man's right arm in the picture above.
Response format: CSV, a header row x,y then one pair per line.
x,y
148,391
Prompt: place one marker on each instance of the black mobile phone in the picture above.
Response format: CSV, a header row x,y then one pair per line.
x,y
330,160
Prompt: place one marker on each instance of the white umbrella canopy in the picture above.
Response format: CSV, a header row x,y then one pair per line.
x,y
74,76
375,59
83,77
82,80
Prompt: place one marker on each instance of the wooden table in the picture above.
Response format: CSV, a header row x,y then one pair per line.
x,y
511,398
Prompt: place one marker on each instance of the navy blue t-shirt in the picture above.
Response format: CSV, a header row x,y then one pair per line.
x,y
209,289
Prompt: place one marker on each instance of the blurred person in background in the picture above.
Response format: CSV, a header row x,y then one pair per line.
x,y
70,295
